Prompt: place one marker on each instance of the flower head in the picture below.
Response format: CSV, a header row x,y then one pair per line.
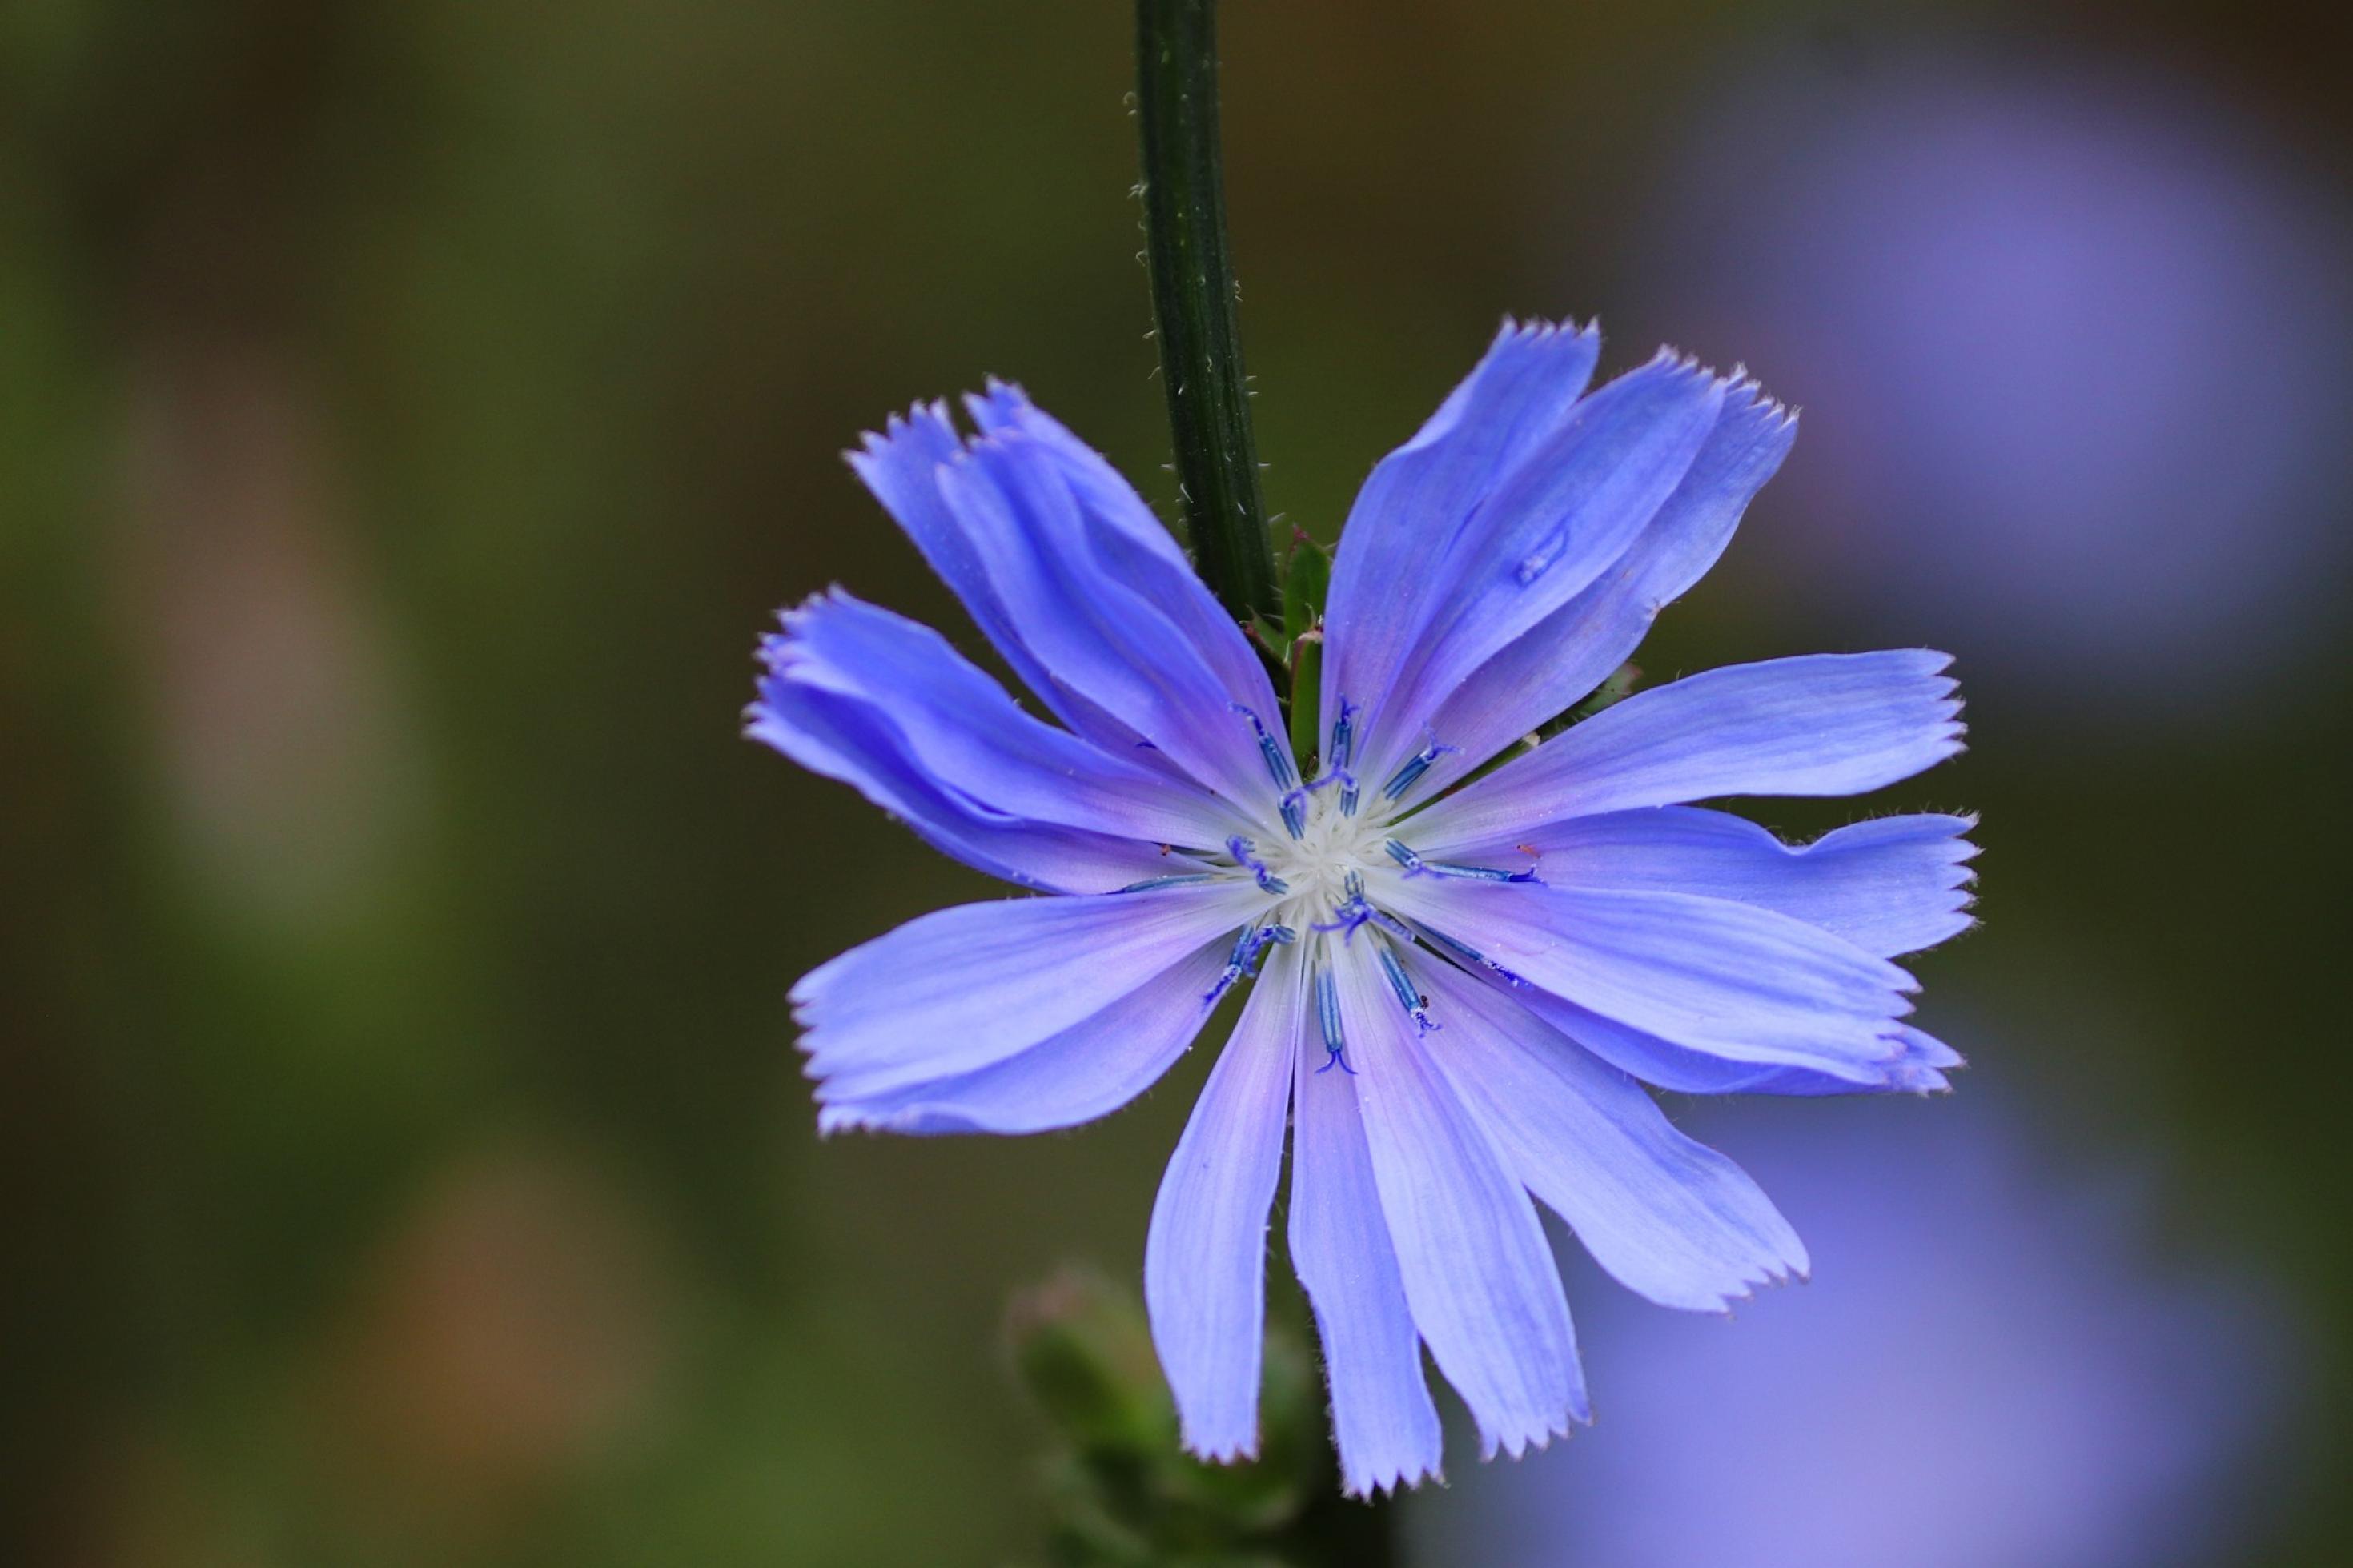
x,y
1458,975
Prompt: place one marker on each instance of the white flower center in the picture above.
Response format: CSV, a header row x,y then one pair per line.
x,y
1335,856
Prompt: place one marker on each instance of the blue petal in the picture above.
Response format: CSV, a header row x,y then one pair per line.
x,y
1205,1256
850,739
1097,632
1565,656
1382,1417
1133,545
902,466
1892,885
1089,1069
1919,1070
1477,1271
961,728
1422,495
1705,974
1668,1217
964,988
1825,724
1546,533
1910,1065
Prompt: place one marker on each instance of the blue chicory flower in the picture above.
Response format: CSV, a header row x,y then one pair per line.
x,y
1463,978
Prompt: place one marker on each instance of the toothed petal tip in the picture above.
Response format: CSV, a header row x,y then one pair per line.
x,y
1368,1486
1223,1450
1519,1444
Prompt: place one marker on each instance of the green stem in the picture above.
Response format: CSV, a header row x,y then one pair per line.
x,y
1193,304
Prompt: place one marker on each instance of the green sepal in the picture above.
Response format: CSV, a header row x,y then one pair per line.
x,y
1267,641
1306,584
1614,688
1306,698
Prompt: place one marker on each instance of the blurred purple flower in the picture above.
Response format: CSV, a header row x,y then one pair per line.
x,y
1494,570
2079,339
1984,1370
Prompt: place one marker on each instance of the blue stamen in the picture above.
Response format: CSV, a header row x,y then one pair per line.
x,y
1353,913
1470,953
1415,1004
1415,866
1357,912
1293,808
1277,761
1403,779
1294,805
1477,873
1407,776
1151,882
1242,961
1236,965
1343,751
1244,853
1327,1013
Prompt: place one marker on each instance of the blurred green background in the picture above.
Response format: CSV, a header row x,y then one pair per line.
x,y
410,413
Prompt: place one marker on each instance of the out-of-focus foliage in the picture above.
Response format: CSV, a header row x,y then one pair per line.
x,y
1121,1490
409,414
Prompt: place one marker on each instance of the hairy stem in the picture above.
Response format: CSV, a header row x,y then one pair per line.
x,y
1193,304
